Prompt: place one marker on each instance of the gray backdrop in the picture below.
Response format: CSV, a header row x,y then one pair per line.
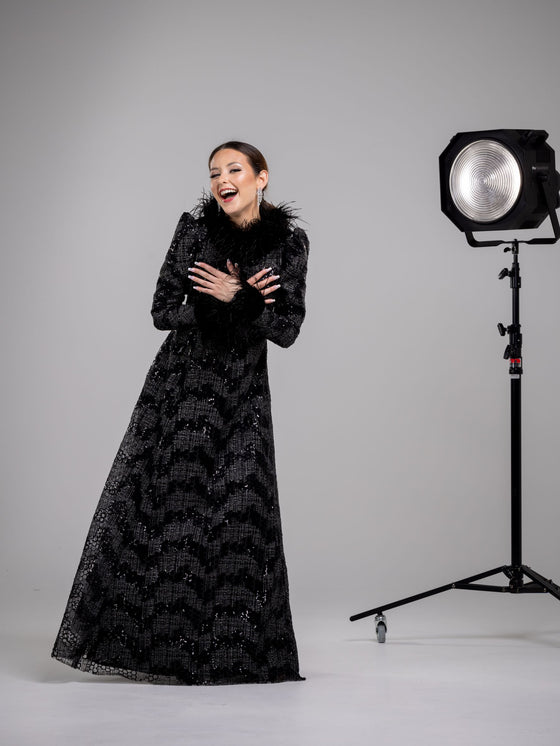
x,y
392,409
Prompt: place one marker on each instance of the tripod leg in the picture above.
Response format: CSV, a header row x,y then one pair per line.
x,y
426,594
548,585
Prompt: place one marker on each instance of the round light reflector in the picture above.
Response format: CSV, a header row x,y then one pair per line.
x,y
485,181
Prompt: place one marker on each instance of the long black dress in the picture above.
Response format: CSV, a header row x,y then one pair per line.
x,y
182,579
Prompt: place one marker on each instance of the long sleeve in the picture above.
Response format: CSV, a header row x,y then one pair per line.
x,y
168,309
280,322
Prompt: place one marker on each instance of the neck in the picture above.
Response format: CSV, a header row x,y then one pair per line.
x,y
242,221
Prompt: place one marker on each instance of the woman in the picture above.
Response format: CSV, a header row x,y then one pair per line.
x,y
182,579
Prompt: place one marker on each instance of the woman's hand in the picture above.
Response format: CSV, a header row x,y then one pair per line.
x,y
221,285
224,285
263,284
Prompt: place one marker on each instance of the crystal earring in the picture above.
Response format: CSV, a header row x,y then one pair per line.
x,y
259,196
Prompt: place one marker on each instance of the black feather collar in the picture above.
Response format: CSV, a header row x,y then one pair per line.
x,y
248,244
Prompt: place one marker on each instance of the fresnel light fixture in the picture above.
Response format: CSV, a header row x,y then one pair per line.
x,y
499,180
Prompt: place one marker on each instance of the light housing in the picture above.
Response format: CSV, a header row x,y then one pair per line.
x,y
499,180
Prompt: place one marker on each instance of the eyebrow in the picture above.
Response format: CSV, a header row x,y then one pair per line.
x,y
233,163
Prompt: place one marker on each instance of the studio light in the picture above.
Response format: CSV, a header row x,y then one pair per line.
x,y
499,180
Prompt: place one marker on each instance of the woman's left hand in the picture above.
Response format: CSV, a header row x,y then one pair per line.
x,y
221,285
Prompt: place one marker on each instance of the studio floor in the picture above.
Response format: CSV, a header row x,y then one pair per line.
x,y
462,669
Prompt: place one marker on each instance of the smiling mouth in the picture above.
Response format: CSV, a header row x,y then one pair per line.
x,y
226,195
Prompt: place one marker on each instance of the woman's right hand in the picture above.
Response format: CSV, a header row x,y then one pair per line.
x,y
263,283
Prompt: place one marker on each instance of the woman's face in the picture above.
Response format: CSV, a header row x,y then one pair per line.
x,y
234,184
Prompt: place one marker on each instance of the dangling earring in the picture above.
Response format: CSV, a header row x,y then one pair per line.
x,y
259,196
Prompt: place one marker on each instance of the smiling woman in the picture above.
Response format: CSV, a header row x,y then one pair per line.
x,y
182,578
238,178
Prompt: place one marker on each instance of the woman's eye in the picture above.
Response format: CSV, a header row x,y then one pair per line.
x,y
234,170
213,176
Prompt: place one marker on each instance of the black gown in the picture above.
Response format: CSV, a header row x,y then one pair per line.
x,y
182,579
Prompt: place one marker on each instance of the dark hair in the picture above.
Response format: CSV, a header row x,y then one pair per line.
x,y
254,155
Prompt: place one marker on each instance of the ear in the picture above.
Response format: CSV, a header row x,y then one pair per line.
x,y
262,179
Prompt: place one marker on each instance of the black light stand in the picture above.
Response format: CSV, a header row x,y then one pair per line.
x,y
516,572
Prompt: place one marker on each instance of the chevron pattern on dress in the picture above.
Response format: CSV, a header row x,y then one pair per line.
x,y
182,578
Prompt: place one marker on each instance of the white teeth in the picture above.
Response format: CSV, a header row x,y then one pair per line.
x,y
227,192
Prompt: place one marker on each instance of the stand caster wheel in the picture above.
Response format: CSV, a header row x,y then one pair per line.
x,y
380,627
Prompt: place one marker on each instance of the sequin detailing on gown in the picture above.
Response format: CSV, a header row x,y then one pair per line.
x,y
182,579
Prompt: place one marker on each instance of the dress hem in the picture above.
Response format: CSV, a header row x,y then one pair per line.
x,y
99,669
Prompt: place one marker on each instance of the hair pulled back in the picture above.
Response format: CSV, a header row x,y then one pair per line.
x,y
254,155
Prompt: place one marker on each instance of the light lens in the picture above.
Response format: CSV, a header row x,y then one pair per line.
x,y
485,181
